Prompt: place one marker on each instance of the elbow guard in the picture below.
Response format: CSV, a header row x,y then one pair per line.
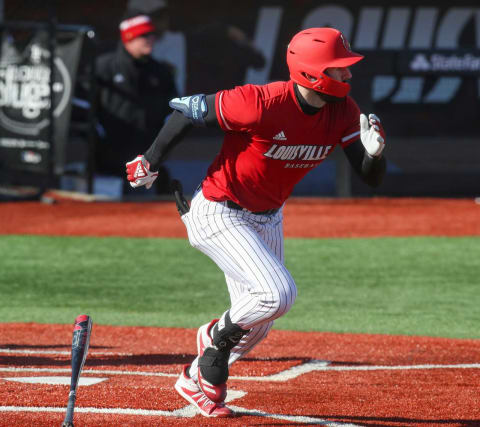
x,y
193,107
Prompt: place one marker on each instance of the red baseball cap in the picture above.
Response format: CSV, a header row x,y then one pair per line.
x,y
134,27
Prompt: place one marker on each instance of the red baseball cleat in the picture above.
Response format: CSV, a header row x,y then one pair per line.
x,y
189,390
215,392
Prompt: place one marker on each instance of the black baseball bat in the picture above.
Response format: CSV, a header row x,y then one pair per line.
x,y
80,342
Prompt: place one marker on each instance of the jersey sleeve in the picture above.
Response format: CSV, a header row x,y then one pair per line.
x,y
238,109
351,122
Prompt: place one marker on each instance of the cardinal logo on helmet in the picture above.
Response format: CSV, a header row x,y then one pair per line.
x,y
345,42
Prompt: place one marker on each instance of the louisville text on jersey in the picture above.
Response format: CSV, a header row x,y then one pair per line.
x,y
311,153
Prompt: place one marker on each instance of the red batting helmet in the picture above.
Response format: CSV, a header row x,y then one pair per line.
x,y
312,51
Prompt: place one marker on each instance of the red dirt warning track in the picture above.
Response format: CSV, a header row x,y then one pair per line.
x,y
303,218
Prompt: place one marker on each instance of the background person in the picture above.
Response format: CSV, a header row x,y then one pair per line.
x,y
274,135
134,90
169,46
219,55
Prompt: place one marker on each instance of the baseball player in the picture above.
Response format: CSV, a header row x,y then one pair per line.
x,y
274,134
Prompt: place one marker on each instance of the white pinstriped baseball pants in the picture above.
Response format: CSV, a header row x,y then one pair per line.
x,y
249,250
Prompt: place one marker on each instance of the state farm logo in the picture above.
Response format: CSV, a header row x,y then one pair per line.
x,y
25,90
446,63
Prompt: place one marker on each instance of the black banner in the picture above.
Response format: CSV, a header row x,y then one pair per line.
x,y
25,100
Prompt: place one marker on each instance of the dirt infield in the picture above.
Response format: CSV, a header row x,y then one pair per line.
x,y
303,218
291,379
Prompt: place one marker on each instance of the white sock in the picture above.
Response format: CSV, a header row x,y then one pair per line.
x,y
193,371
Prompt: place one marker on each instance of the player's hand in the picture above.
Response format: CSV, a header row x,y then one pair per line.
x,y
138,172
372,134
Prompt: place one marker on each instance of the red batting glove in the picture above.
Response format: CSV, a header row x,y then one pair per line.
x,y
138,172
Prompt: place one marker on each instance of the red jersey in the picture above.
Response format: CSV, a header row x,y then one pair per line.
x,y
270,144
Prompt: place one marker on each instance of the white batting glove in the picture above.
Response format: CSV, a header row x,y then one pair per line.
x,y
138,172
372,134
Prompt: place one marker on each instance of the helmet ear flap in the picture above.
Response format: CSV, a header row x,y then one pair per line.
x,y
310,78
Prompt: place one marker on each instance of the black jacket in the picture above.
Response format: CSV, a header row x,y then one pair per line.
x,y
132,106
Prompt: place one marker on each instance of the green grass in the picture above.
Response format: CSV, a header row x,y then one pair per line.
x,y
412,286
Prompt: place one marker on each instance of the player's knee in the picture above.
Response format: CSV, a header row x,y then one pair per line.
x,y
282,300
287,297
